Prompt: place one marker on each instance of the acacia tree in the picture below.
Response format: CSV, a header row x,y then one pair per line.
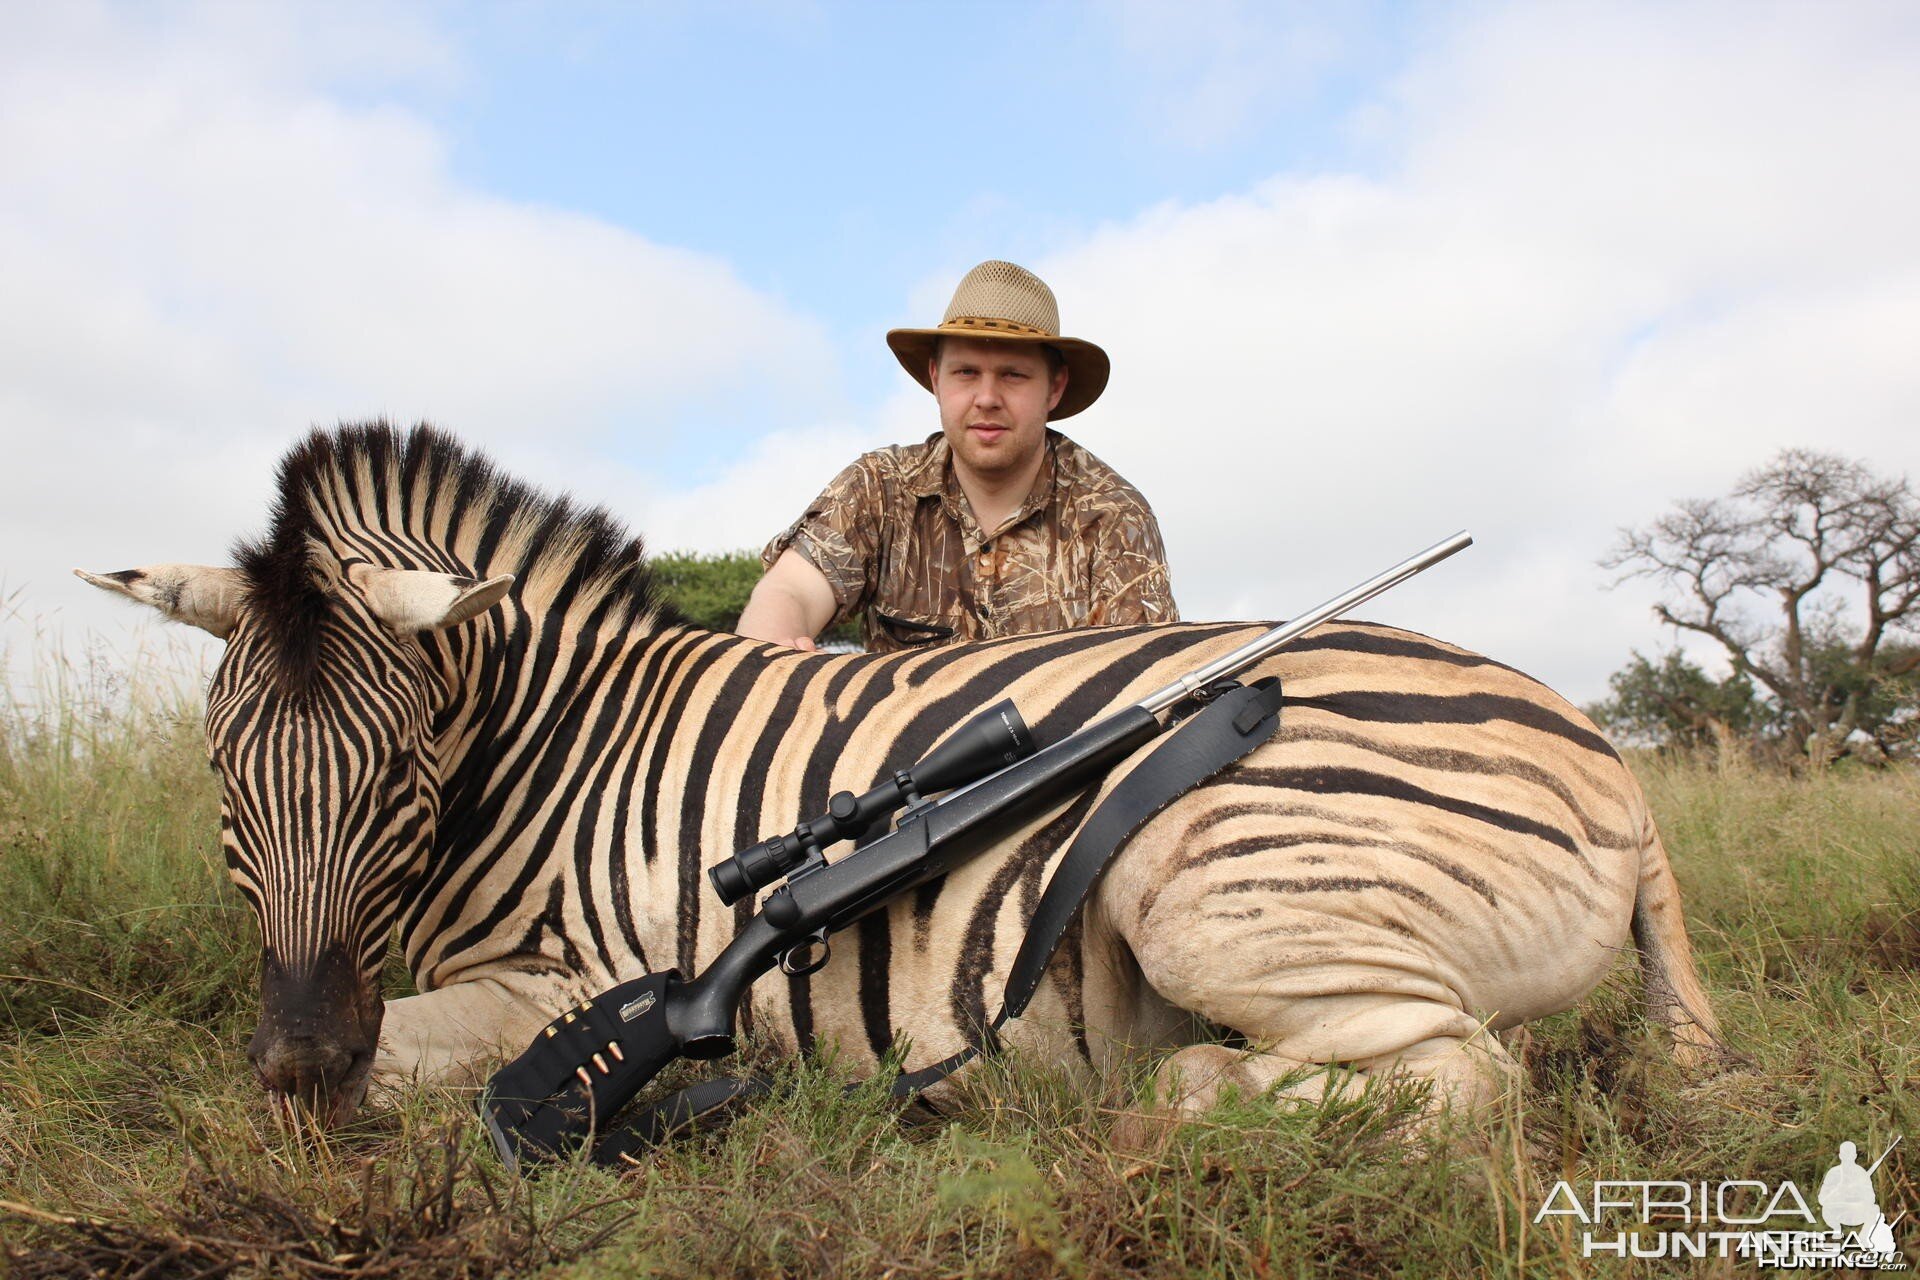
x,y
1808,576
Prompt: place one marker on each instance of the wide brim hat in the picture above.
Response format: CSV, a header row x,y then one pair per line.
x,y
1001,302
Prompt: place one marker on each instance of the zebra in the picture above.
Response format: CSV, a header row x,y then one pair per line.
x,y
454,710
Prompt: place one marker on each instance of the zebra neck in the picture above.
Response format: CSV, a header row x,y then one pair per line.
x,y
542,683
534,710
549,739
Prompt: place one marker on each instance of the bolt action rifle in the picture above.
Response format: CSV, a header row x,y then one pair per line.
x,y
592,1060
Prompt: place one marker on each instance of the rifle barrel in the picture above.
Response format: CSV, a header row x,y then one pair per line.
x,y
1287,632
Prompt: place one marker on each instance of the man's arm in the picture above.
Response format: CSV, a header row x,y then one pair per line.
x,y
791,604
1130,579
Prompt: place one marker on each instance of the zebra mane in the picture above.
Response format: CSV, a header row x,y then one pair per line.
x,y
419,499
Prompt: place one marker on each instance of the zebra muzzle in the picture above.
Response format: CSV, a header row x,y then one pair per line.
x,y
318,1029
325,1079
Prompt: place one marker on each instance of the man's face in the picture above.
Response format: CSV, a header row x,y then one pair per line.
x,y
994,400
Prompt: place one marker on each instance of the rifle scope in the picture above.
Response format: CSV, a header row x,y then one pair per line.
x,y
995,738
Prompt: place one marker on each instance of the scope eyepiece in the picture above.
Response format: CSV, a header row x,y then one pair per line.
x,y
755,867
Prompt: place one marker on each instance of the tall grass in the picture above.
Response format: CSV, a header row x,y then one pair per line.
x,y
134,1142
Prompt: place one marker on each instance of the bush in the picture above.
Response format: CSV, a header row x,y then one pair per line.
x,y
710,588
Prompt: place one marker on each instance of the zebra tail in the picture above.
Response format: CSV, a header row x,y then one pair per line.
x,y
1676,998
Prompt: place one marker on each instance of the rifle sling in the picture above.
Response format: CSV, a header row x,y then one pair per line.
x,y
1231,721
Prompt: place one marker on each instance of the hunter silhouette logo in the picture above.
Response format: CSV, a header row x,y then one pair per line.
x,y
1771,1225
1848,1205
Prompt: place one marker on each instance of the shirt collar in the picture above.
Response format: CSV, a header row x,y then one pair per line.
x,y
1041,494
934,477
928,478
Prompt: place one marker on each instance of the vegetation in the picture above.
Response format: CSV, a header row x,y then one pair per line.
x,y
1808,578
133,1140
711,588
1672,705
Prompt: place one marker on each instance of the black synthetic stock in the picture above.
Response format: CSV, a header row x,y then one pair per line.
x,y
581,1070
710,1101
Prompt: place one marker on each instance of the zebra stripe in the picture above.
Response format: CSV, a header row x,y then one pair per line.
x,y
531,799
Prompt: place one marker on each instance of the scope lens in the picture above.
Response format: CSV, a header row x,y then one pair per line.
x,y
729,882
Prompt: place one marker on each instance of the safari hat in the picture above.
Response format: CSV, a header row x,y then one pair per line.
x,y
1006,303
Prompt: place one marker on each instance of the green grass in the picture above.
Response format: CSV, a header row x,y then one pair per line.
x,y
132,1135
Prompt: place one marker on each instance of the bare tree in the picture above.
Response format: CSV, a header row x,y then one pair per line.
x,y
1807,575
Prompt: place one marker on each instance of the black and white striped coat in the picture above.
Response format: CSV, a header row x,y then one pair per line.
x,y
452,707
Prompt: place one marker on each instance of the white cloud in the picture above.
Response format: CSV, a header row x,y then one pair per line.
x,y
1206,71
207,248
1622,255
1600,257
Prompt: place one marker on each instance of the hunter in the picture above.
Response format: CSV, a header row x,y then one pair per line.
x,y
997,524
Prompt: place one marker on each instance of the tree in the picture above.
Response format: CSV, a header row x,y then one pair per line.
x,y
1808,576
1674,705
710,588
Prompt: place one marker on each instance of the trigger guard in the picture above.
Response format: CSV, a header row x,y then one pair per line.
x,y
816,949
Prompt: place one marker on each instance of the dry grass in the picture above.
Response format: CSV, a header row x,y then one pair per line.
x,y
435,1212
133,1143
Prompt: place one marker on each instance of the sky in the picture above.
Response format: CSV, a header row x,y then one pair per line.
x,y
1368,273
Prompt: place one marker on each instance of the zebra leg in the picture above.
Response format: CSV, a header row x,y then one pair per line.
x,y
1467,1069
1192,1081
448,1036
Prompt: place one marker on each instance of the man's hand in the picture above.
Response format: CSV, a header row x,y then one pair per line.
x,y
790,605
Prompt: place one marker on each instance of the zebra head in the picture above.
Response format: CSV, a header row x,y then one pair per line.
x,y
320,724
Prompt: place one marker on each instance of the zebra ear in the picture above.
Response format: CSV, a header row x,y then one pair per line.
x,y
204,596
416,600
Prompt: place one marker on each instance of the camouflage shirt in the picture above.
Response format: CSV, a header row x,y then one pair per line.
x,y
897,540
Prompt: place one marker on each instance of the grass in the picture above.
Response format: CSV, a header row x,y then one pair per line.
x,y
133,1141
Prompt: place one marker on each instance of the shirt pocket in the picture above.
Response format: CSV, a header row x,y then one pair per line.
x,y
911,633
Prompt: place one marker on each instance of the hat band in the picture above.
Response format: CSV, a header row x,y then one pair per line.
x,y
994,323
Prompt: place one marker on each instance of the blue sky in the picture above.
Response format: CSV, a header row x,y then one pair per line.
x,y
837,155
1368,273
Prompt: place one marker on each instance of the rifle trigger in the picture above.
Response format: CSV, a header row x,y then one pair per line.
x,y
807,955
